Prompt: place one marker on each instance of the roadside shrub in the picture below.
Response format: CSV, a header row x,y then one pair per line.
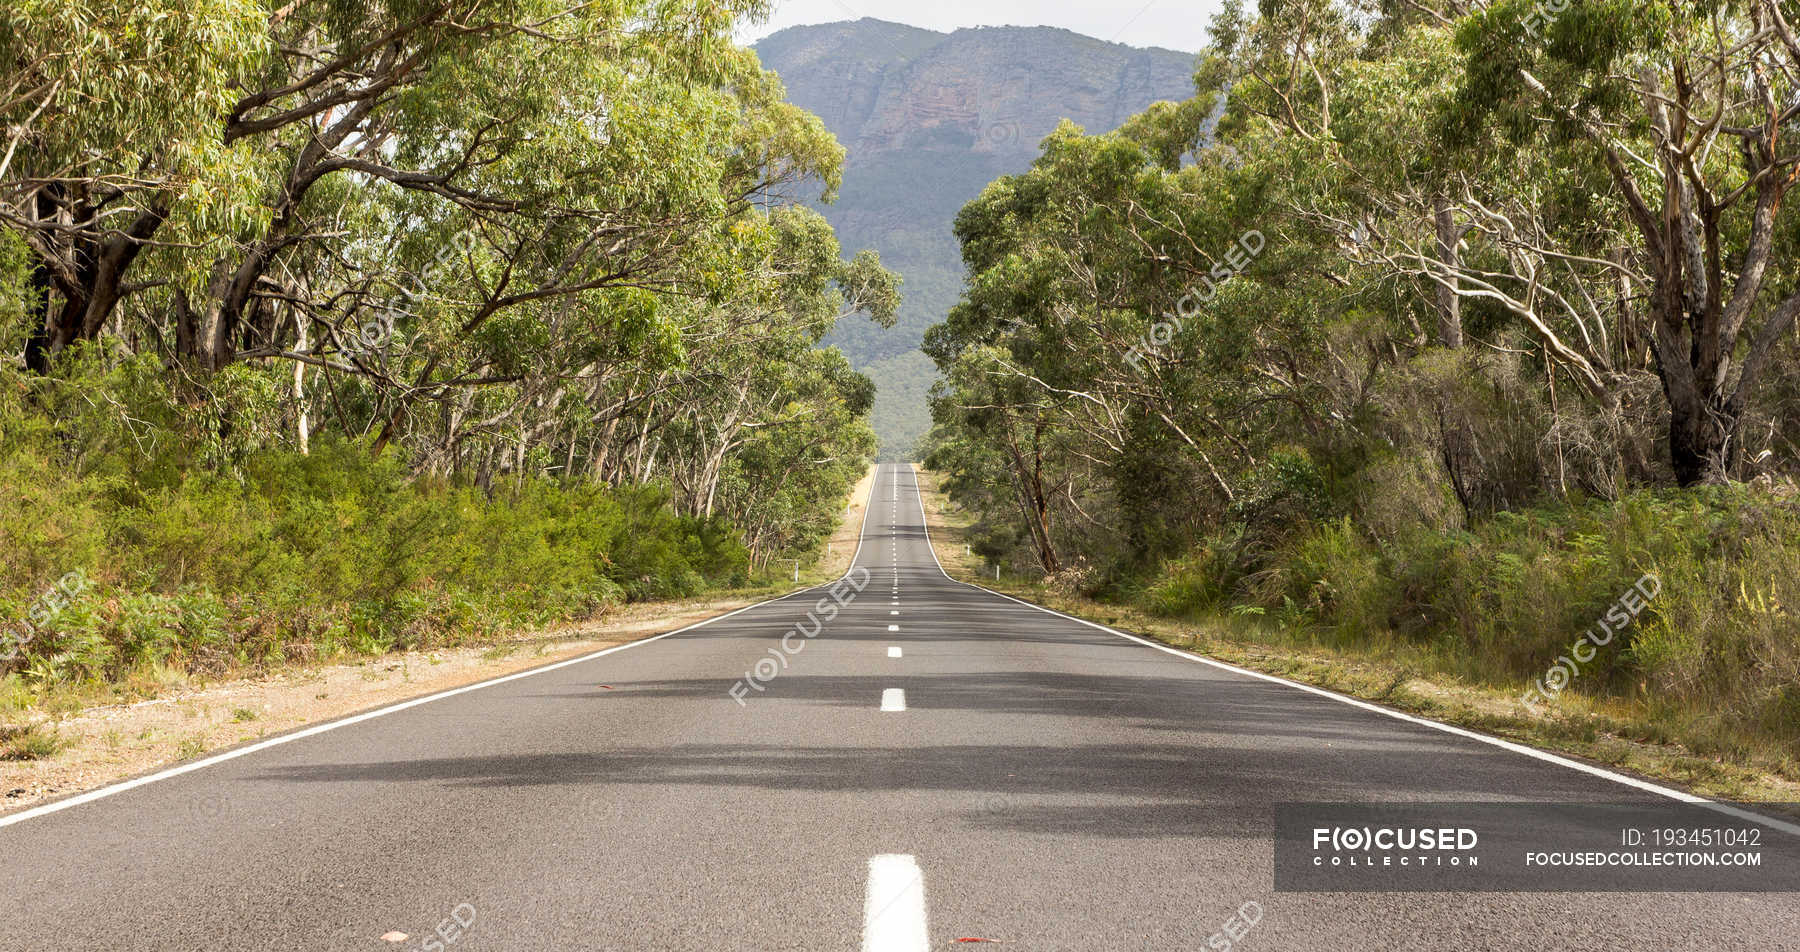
x,y
290,556
1335,573
28,742
1501,601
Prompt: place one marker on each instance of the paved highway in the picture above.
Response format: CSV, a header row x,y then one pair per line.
x,y
937,763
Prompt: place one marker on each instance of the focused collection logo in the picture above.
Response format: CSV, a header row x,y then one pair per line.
x,y
1652,846
1391,846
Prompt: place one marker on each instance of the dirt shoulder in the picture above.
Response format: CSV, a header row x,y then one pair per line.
x,y
102,744
1604,737
840,551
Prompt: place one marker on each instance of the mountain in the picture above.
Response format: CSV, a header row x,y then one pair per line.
x,y
929,119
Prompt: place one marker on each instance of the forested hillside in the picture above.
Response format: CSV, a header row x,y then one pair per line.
x,y
1470,319
929,119
337,323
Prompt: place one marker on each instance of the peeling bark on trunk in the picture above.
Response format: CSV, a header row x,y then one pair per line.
x,y
1449,303
1702,440
302,423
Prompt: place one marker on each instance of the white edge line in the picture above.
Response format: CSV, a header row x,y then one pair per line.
x,y
313,731
1681,795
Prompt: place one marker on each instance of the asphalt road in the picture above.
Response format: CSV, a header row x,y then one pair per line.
x,y
1032,780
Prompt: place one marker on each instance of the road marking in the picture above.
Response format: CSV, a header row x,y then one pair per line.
x,y
893,613
1532,752
894,652
893,628
894,913
893,699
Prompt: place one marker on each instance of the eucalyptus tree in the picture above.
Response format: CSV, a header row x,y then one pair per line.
x,y
1687,110
782,481
112,127
652,213
1082,316
410,198
741,350
583,145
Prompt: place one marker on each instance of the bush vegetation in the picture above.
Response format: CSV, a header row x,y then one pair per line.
x,y
1717,650
1394,339
285,556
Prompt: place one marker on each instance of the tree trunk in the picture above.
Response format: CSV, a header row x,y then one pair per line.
x,y
603,448
302,423
1693,362
92,275
1034,504
1449,303
1703,442
116,254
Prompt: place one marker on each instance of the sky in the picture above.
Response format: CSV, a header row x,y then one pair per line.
x,y
1175,24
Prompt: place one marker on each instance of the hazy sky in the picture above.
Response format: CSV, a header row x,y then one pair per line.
x,y
1176,24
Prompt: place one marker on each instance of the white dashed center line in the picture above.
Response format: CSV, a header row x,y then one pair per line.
x,y
894,913
893,699
893,628
894,652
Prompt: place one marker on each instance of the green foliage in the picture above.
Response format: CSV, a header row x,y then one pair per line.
x,y
510,238
1500,603
299,556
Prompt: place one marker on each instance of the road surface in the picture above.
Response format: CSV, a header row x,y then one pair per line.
x,y
938,763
